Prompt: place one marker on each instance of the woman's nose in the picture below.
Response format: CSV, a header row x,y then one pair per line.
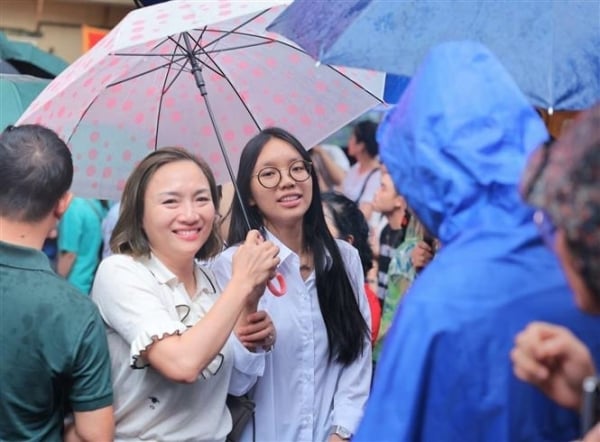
x,y
189,212
286,179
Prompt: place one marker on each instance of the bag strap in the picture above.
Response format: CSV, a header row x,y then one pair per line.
x,y
364,186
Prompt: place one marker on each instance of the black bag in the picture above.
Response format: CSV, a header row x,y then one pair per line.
x,y
242,410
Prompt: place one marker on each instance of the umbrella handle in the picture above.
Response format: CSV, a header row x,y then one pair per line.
x,y
278,291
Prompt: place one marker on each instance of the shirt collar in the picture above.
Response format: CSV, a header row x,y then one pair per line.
x,y
164,276
285,252
13,255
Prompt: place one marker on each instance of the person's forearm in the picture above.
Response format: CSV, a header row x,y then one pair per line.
x,y
92,426
65,263
182,358
336,173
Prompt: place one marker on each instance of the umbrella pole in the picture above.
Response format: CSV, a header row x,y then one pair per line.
x,y
197,72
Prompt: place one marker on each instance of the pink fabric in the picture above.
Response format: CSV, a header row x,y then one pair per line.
x,y
111,120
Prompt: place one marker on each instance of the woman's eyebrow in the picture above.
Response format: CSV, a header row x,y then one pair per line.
x,y
274,163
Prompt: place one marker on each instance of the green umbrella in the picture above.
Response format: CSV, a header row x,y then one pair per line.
x,y
29,59
16,93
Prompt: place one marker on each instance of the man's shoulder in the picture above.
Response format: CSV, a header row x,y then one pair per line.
x,y
49,288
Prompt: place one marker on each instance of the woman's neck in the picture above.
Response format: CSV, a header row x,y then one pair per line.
x,y
367,163
292,236
184,270
396,218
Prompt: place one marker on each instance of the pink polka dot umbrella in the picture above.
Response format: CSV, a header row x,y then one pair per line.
x,y
204,75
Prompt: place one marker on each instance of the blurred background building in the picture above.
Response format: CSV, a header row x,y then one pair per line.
x,y
56,26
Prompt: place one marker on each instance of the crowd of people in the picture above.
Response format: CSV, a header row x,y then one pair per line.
x,y
426,287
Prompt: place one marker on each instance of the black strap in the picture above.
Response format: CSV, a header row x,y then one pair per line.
x,y
364,186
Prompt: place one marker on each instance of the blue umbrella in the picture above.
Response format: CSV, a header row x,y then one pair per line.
x,y
551,48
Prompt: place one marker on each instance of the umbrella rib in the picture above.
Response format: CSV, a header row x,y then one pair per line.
x,y
235,30
168,64
226,78
83,114
234,48
213,51
149,71
162,95
360,86
271,41
267,41
194,54
176,76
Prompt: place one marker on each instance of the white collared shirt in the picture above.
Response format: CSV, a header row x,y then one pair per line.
x,y
140,301
301,393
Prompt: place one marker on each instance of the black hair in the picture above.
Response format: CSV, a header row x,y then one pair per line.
x,y
347,330
350,221
366,132
36,170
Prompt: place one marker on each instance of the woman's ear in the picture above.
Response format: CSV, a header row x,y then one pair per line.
x,y
350,239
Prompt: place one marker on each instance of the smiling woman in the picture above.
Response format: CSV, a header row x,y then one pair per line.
x,y
317,377
166,316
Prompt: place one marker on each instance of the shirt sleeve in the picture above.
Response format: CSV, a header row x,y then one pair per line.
x,y
91,378
247,366
128,297
70,229
355,379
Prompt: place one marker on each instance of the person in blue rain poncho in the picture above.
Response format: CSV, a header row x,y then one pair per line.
x,y
455,146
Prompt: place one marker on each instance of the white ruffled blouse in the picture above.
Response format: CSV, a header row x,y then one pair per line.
x,y
141,301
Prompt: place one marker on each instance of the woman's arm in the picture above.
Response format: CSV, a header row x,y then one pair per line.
x,y
336,173
129,302
183,357
254,333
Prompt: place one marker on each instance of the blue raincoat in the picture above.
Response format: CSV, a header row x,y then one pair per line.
x,y
456,145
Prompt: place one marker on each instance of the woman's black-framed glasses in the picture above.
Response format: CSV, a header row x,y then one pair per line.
x,y
270,177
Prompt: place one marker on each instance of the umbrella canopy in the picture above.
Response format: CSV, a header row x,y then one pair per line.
x,y
549,47
17,92
148,82
27,58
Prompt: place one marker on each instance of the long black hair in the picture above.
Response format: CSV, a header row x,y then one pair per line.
x,y
347,330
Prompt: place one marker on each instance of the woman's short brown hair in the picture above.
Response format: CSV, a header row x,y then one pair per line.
x,y
128,236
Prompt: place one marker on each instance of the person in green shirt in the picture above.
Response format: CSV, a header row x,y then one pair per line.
x,y
406,261
54,356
